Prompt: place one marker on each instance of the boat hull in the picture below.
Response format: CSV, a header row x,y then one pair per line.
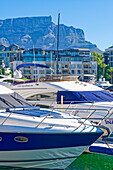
x,y
52,151
58,158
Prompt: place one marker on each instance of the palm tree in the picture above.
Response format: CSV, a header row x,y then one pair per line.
x,y
103,66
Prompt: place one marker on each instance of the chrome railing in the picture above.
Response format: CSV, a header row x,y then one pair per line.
x,y
108,112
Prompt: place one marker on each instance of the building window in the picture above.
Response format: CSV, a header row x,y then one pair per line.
x,y
86,72
79,71
72,66
59,66
65,66
79,66
73,72
93,66
48,71
41,71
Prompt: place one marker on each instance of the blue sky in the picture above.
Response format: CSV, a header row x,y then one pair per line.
x,y
95,17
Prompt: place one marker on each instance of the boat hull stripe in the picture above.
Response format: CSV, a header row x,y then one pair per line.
x,y
46,141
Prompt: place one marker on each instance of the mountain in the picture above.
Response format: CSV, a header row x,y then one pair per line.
x,y
41,32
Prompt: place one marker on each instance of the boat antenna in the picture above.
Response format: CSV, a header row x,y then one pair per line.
x,y
58,41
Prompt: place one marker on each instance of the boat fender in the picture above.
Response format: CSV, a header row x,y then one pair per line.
x,y
105,129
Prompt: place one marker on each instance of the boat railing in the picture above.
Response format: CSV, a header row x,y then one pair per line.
x,y
8,116
83,111
45,117
12,109
81,120
90,112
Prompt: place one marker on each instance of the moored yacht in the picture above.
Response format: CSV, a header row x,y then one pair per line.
x,y
77,95
31,137
103,83
90,98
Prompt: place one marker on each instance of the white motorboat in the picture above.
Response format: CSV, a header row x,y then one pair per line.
x,y
31,137
103,83
78,95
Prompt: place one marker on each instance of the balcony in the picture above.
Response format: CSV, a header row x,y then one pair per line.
x,y
87,72
87,62
65,72
87,67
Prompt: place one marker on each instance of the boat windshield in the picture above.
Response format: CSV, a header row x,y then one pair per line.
x,y
84,96
12,100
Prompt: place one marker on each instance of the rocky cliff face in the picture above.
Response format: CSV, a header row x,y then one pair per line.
x,y
41,32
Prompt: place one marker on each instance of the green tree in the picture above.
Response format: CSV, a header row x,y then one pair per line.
x,y
107,73
3,71
101,66
11,72
111,71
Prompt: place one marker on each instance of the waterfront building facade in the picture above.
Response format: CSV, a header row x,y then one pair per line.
x,y
10,54
108,56
74,62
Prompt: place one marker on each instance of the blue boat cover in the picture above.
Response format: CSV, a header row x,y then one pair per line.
x,y
31,64
84,96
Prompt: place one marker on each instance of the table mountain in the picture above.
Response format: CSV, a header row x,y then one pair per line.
x,y
41,32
